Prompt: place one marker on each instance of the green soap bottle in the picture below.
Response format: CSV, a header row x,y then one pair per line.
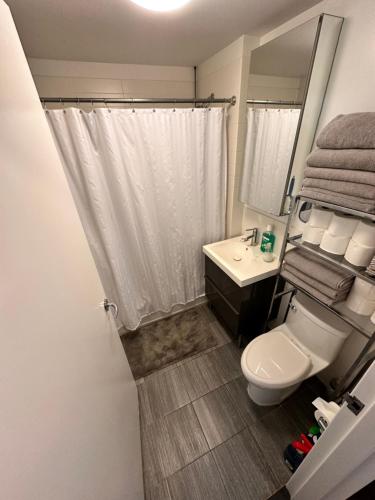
x,y
268,237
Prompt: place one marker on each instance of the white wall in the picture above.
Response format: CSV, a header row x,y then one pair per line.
x,y
226,74
84,79
350,89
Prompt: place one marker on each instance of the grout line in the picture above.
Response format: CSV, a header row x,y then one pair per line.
x,y
200,425
194,400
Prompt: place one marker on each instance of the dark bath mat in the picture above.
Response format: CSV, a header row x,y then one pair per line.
x,y
167,341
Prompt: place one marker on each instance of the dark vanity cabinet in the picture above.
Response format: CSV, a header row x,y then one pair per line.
x,y
241,310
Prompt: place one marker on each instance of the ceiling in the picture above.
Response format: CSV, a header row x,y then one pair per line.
x,y
119,31
288,55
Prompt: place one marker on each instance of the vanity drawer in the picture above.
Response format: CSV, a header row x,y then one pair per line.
x,y
241,310
222,309
228,288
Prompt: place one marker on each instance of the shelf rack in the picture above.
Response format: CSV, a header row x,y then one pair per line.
x,y
360,324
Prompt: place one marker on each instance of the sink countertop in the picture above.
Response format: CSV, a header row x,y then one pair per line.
x,y
243,264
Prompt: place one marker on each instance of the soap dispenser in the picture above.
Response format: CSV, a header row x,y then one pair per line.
x,y
268,240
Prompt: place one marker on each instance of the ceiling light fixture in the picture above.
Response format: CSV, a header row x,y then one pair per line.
x,y
161,5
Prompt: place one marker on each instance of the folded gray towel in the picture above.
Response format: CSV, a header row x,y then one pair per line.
x,y
351,159
322,271
352,131
338,174
339,199
309,289
363,191
326,290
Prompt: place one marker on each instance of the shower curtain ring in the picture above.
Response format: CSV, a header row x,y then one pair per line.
x,y
133,109
174,109
63,105
45,107
92,106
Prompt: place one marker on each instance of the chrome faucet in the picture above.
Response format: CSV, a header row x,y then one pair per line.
x,y
253,236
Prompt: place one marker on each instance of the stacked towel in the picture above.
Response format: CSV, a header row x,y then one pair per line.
x,y
342,169
323,280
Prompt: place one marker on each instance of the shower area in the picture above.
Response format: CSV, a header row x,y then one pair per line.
x,y
150,188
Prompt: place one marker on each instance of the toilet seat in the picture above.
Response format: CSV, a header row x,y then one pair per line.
x,y
273,360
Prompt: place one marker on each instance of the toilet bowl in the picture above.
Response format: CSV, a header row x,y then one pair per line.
x,y
276,362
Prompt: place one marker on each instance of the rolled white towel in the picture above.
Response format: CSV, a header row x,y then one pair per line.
x,y
312,235
334,244
359,254
342,225
361,298
364,233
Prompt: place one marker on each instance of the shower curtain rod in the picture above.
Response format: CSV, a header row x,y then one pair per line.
x,y
156,100
274,102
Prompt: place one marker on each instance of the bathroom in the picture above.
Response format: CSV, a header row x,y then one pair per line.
x,y
179,281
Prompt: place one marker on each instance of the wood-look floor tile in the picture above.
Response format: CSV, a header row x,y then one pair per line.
x,y
273,433
158,492
171,443
200,376
227,361
145,413
220,334
218,416
299,406
208,313
163,393
243,468
200,480
249,411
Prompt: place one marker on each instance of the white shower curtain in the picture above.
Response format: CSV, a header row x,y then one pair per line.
x,y
150,190
269,143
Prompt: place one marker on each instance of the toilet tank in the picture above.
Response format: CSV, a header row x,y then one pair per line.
x,y
319,330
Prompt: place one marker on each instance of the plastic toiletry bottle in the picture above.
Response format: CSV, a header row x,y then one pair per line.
x,y
268,254
267,237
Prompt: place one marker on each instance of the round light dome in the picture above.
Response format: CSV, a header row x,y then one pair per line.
x,y
161,5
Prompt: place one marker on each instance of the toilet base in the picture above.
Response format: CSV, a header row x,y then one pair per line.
x,y
269,397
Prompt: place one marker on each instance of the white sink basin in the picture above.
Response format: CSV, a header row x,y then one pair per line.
x,y
244,264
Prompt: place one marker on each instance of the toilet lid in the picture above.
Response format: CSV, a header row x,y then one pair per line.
x,y
274,360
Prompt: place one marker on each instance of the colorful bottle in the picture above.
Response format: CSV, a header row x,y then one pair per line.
x,y
268,240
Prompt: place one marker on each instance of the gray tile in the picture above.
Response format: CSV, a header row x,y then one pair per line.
x,y
273,433
218,416
221,336
227,361
161,394
249,411
198,481
211,370
158,492
208,313
200,376
299,405
171,443
145,413
244,471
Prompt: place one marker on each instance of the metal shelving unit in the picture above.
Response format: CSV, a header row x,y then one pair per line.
x,y
360,324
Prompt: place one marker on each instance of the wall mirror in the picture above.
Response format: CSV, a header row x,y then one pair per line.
x,y
287,81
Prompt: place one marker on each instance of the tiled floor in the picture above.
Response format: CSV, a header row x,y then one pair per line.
x,y
202,437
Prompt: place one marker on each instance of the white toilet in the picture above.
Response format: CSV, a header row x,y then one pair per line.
x,y
276,362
